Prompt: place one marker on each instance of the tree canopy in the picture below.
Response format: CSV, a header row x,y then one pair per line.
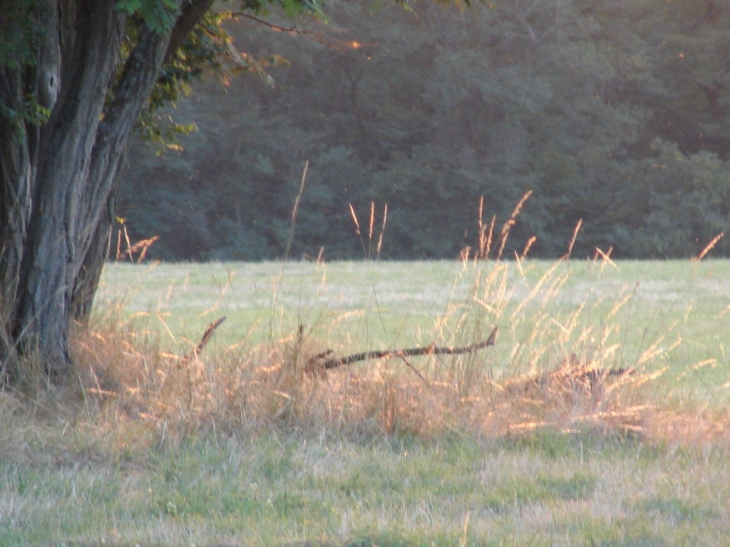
x,y
615,113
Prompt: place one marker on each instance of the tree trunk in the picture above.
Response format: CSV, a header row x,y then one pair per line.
x,y
89,276
87,281
58,179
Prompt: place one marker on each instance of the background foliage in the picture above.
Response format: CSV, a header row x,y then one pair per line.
x,y
612,112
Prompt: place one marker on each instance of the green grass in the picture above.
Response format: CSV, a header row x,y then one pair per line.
x,y
244,448
282,488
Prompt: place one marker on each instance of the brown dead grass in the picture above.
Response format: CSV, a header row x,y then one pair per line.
x,y
558,373
141,396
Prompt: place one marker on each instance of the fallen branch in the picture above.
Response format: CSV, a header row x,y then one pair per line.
x,y
206,336
386,354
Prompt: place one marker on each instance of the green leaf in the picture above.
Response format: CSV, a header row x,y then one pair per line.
x,y
128,6
159,15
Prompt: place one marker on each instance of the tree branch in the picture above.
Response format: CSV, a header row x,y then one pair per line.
x,y
192,13
315,35
277,28
197,350
386,354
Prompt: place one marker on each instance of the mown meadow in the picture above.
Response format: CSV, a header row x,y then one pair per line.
x,y
598,417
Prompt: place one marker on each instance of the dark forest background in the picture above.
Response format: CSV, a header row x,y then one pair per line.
x,y
614,112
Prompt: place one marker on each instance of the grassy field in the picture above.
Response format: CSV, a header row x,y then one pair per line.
x,y
529,442
358,306
285,489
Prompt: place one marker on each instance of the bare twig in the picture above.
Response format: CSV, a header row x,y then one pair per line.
x,y
277,28
386,354
197,350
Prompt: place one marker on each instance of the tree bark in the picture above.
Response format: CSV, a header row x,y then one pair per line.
x,y
51,165
58,180
89,276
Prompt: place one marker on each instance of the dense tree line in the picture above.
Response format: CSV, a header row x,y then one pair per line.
x,y
612,112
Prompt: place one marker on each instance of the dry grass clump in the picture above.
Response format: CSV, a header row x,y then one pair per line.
x,y
564,370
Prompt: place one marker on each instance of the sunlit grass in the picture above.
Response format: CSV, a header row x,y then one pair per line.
x,y
597,418
399,304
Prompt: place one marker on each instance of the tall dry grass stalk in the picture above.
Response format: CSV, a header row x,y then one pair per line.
x,y
367,249
295,210
572,239
504,233
486,232
382,231
708,247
